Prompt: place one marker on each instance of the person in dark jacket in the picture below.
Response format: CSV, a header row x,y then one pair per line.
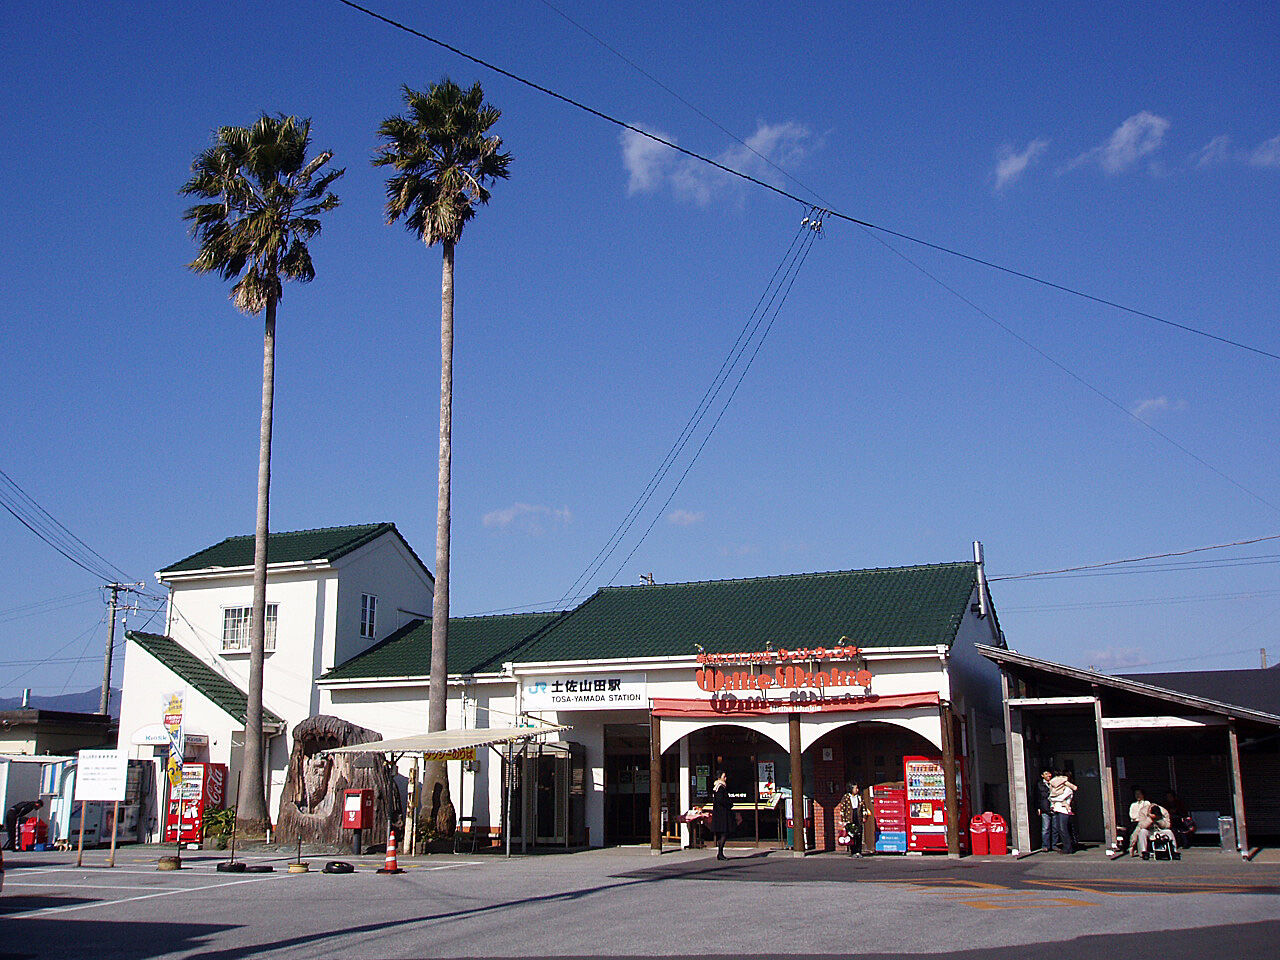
x,y
1044,806
13,820
721,809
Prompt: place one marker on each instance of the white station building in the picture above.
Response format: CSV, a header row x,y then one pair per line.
x,y
814,680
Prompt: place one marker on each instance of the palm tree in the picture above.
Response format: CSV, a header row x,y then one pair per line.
x,y
443,160
265,198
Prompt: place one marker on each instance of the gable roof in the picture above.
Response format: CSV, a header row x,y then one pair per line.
x,y
473,643
1258,689
225,694
296,546
887,607
1085,680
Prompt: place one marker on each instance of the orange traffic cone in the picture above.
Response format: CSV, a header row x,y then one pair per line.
x,y
391,865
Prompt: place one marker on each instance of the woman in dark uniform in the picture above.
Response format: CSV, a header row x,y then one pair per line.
x,y
721,808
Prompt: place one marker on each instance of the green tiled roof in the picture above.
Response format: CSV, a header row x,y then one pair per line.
x,y
900,606
325,543
198,674
473,643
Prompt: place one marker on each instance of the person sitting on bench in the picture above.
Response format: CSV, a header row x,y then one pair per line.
x,y
1155,824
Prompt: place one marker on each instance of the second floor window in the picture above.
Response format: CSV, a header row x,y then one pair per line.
x,y
235,628
368,616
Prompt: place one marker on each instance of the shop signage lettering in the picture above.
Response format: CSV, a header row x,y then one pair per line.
x,y
604,692
848,652
788,677
728,703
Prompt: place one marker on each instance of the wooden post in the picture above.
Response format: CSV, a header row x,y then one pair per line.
x,y
949,771
80,845
1104,772
655,785
797,789
1021,835
1237,788
115,817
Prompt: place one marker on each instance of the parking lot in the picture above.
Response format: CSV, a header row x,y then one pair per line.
x,y
627,903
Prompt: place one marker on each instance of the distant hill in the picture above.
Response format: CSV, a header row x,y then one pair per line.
x,y
83,702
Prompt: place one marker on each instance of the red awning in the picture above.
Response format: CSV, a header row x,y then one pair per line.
x,y
730,706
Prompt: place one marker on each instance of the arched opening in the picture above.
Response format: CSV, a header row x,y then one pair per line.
x,y
759,778
866,753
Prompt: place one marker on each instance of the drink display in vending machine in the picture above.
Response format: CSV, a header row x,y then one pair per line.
x,y
203,785
927,804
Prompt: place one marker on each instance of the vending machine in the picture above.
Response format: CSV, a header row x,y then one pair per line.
x,y
889,808
203,785
927,804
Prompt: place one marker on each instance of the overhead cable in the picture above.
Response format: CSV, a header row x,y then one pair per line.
x,y
941,248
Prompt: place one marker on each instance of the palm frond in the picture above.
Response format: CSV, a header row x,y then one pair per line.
x,y
443,158
264,205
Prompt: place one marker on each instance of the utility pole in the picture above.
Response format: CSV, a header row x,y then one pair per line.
x,y
104,702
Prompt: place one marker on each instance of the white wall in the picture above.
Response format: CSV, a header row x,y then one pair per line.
x,y
385,569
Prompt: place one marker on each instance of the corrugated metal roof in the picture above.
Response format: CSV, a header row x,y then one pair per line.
x,y
198,674
296,546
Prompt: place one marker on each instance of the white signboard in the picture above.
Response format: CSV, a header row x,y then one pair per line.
x,y
100,774
594,691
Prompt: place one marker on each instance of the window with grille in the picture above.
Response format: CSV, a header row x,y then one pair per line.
x,y
235,628
368,616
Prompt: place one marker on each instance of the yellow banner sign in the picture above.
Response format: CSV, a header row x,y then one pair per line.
x,y
462,753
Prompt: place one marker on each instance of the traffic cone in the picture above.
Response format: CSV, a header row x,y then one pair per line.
x,y
391,865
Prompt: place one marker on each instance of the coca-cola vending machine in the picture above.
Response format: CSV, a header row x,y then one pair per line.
x,y
203,785
927,804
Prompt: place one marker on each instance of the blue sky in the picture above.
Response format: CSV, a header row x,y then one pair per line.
x,y
1132,152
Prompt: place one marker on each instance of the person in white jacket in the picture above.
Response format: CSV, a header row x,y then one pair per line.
x,y
1061,796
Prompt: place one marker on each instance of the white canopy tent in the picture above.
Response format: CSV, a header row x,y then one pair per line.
x,y
448,741
444,741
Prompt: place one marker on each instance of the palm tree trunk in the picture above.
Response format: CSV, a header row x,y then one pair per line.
x,y
251,805
436,772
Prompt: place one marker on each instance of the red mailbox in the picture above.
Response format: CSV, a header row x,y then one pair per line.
x,y
357,809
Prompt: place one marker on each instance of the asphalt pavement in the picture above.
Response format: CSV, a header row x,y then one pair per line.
x,y
625,902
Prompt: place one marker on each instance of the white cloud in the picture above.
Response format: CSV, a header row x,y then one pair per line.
x,y
527,517
1152,405
739,550
1266,154
1217,150
1139,136
1010,164
647,161
650,165
685,518
1110,659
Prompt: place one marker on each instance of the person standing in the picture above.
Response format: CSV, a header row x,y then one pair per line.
x,y
721,808
15,816
1061,795
849,813
1045,807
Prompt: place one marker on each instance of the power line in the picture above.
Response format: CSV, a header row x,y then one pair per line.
x,y
44,525
759,343
1142,559
749,329
940,248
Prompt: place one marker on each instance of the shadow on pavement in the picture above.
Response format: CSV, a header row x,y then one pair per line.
x,y
56,936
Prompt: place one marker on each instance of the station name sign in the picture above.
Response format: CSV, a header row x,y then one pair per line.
x,y
604,691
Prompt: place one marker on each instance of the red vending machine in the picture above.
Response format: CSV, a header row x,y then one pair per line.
x,y
927,804
203,785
